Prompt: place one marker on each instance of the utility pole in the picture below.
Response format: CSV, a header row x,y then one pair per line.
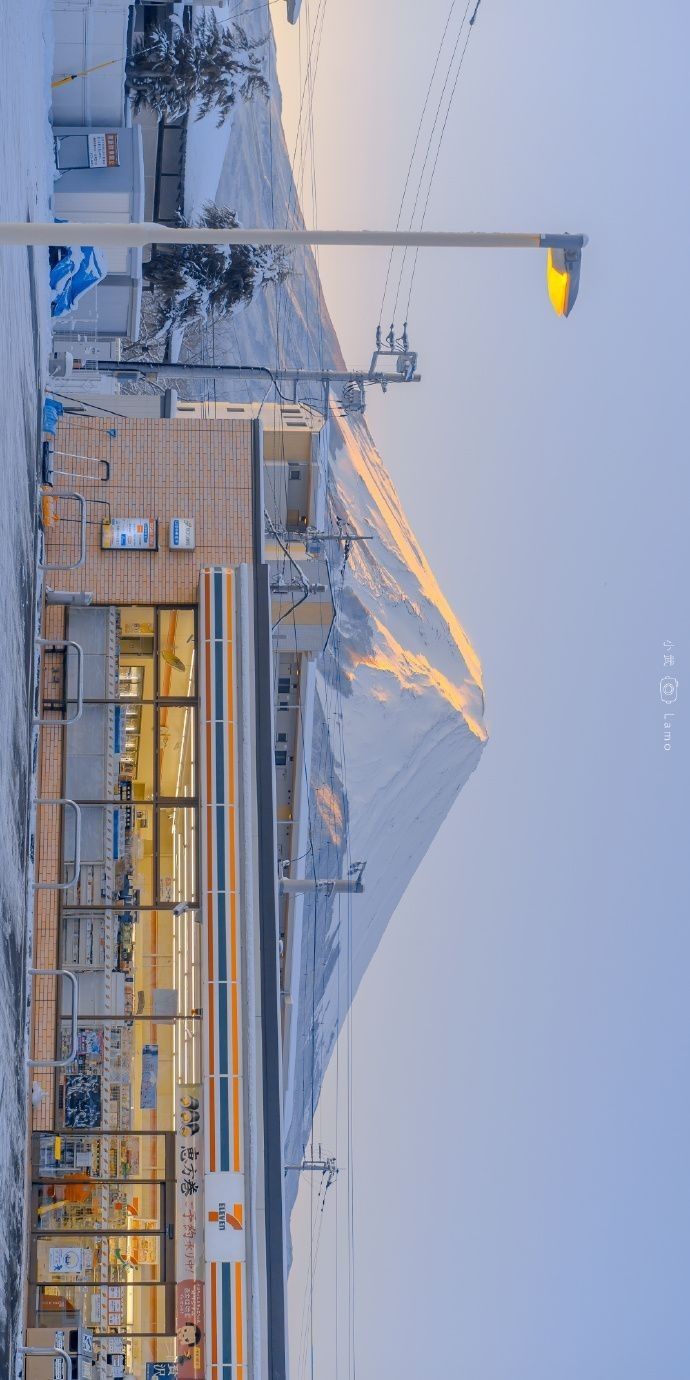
x,y
352,381
303,886
313,541
167,373
296,587
309,535
328,886
324,1165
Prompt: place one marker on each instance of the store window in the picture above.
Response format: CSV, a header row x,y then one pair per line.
x,y
105,1182
102,1258
176,653
176,766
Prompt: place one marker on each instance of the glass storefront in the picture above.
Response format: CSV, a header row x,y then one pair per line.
x,y
109,1180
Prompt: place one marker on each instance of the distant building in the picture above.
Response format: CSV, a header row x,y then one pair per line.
x,y
101,177
99,156
90,37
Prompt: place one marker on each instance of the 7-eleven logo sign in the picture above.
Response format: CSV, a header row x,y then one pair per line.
x,y
226,1217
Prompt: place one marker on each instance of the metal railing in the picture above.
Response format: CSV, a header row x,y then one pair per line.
x,y
57,1351
65,886
64,642
88,459
72,565
61,1063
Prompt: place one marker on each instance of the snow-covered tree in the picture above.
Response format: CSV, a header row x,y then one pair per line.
x,y
198,283
214,64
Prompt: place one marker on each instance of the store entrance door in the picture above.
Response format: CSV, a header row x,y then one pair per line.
x,y
103,1232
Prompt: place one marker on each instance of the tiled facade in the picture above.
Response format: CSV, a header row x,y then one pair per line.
x,y
159,469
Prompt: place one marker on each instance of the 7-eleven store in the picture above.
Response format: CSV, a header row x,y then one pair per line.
x,y
156,1240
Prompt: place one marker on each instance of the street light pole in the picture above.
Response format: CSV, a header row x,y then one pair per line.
x,y
133,235
564,252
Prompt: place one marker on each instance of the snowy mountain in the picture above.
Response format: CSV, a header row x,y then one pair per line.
x,y
399,717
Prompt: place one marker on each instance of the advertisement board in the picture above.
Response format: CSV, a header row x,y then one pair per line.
x,y
129,534
104,150
189,1237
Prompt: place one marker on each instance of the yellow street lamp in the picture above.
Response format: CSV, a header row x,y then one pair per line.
x,y
563,278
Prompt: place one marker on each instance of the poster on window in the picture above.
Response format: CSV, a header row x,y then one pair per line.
x,y
189,1236
148,1094
68,1260
83,1100
90,1043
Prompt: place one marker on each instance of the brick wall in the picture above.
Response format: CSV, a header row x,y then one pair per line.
x,y
158,469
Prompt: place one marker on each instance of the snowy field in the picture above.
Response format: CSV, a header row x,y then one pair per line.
x,y
24,165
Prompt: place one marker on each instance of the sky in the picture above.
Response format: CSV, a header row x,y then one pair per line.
x,y
520,1044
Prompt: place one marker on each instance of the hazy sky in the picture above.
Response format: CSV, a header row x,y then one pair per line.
x,y
521,1042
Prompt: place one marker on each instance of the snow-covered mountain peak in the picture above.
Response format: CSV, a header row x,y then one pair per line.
x,y
415,637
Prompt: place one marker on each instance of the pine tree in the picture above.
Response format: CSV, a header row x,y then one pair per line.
x,y
214,64
197,283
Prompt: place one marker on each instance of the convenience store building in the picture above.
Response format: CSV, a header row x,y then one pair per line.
x,y
156,1224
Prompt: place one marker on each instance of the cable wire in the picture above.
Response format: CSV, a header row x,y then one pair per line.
x,y
414,150
431,138
433,170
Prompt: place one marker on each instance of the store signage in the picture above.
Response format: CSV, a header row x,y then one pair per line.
x,y
224,1226
161,1370
148,1095
182,536
104,150
129,534
189,1237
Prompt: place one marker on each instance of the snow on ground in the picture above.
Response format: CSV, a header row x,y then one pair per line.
x,y
25,162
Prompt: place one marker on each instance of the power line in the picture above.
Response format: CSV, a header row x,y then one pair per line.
x,y
438,150
414,150
430,142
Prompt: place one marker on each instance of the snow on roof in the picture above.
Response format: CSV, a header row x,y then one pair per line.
x,y
204,157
